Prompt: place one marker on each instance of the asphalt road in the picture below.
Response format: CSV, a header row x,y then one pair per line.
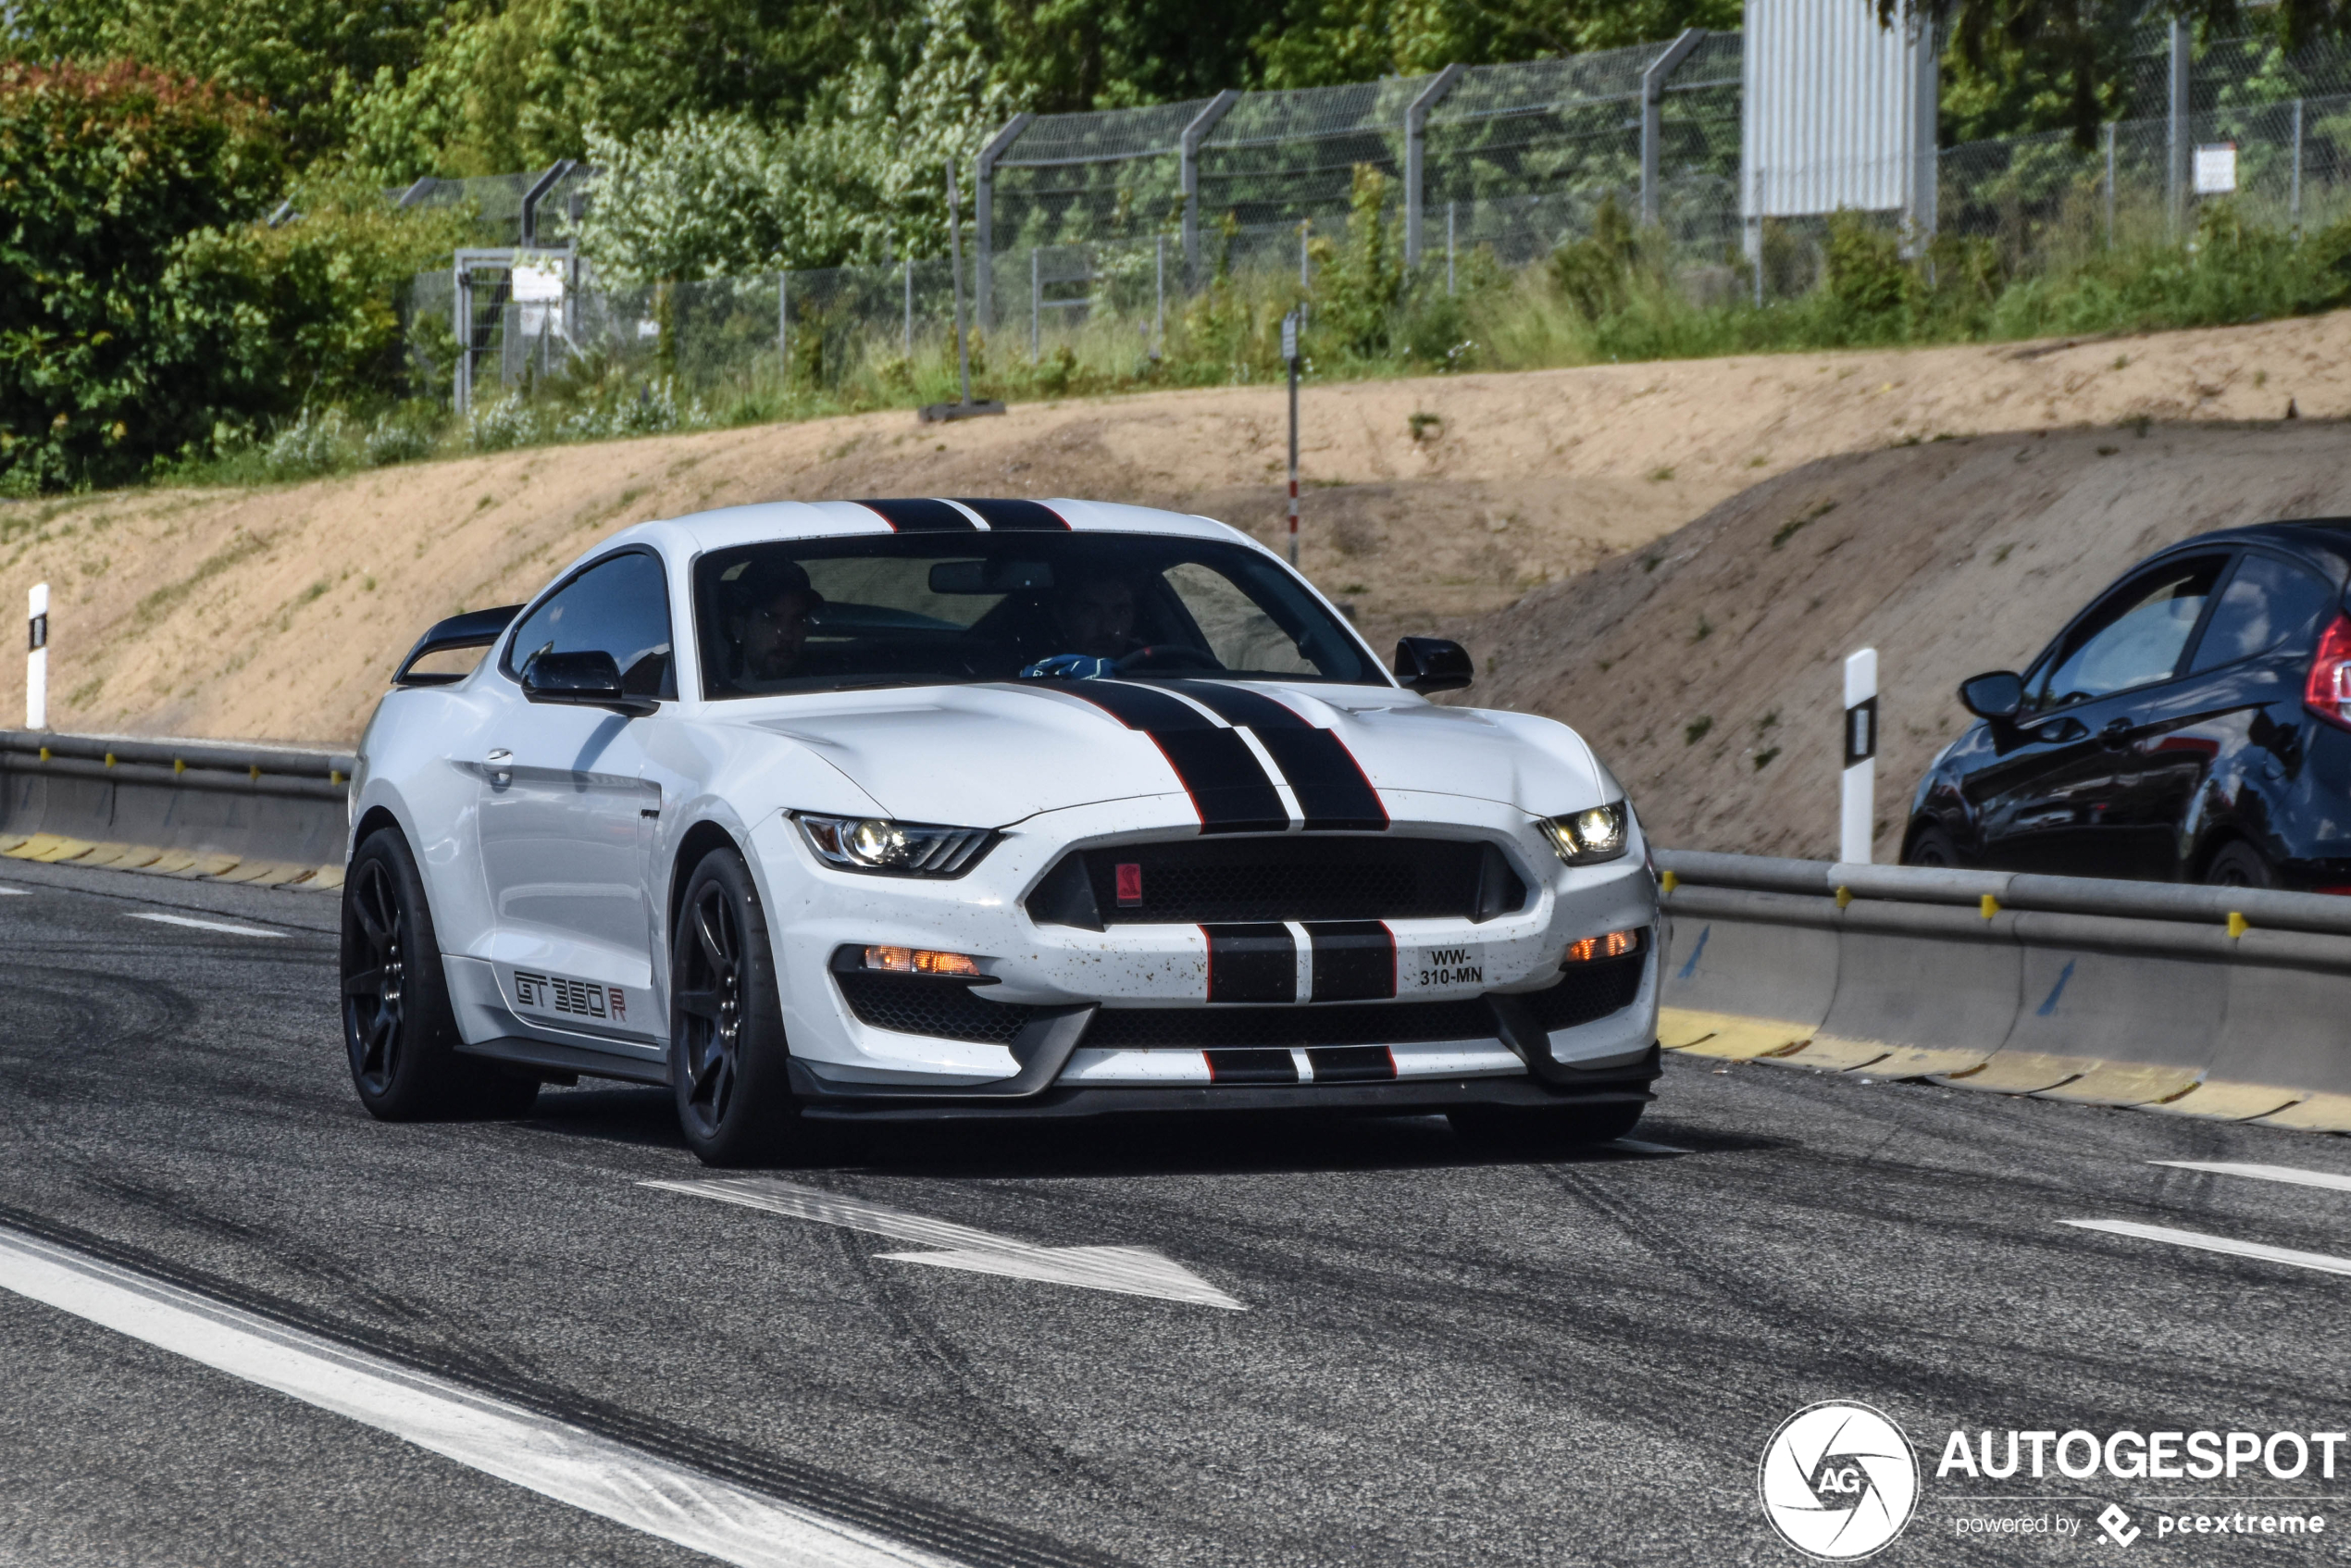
x,y
1445,1356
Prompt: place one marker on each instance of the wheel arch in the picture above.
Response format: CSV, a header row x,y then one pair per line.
x,y
699,840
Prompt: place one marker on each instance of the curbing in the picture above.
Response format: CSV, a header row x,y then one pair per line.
x,y
273,815
2199,1002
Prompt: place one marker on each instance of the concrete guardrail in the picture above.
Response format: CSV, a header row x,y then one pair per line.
x,y
2233,1004
273,815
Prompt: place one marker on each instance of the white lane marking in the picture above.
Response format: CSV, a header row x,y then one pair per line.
x,y
1130,1271
596,1474
1637,1147
2321,1261
205,925
2263,1172
16,892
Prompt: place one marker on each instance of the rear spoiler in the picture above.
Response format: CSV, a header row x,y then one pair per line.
x,y
476,628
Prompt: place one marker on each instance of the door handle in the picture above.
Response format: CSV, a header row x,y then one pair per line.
x,y
501,754
2115,731
500,775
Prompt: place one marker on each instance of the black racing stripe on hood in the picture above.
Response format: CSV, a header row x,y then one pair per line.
x,y
1017,516
924,516
1227,784
1331,786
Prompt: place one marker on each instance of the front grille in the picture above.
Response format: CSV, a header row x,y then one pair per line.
x,y
916,1004
1219,1029
1296,876
1586,991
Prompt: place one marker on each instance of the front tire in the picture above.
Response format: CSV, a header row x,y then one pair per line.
x,y
1932,846
1515,1126
397,1025
2239,865
727,1051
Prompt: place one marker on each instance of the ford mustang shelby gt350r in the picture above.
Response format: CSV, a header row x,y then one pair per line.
x,y
890,809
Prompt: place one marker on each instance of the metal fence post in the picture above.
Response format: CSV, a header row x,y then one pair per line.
x,y
2176,175
1187,151
1416,133
984,211
955,276
1305,280
1653,117
2109,184
1159,295
1449,247
910,307
783,324
2293,189
1036,304
461,323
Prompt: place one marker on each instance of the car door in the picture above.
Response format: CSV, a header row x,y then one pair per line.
x,y
2062,802
566,817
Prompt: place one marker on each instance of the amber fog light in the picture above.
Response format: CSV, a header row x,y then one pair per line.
x,y
922,960
1616,945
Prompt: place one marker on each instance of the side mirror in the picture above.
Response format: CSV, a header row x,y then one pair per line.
x,y
1998,695
1431,664
589,679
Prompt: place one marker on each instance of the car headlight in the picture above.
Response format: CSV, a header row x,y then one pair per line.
x,y
1587,837
893,849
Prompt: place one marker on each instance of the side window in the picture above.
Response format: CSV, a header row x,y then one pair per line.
x,y
2267,603
620,606
1239,633
2133,637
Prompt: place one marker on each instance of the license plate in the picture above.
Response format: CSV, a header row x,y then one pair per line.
x,y
1442,969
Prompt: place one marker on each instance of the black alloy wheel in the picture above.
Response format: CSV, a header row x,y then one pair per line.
x,y
727,1051
1932,846
2239,865
397,1024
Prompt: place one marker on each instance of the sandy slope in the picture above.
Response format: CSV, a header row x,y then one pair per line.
x,y
279,612
1707,667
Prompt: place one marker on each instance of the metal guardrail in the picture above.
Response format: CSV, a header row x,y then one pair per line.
x,y
273,814
2228,1002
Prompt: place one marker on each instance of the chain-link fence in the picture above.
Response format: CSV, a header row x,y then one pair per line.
x,y
1087,257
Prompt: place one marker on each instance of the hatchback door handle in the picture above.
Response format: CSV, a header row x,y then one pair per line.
x,y
2115,730
501,754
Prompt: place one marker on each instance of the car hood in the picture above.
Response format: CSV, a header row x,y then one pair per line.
x,y
989,756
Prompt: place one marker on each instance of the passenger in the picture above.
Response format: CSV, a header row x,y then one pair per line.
x,y
769,628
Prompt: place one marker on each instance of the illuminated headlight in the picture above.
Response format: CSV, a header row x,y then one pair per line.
x,y
1587,837
902,849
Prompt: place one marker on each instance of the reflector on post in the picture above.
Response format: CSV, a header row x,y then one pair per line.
x,y
1857,808
36,659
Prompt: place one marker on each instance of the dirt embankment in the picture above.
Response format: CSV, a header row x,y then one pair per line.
x,y
1708,666
278,612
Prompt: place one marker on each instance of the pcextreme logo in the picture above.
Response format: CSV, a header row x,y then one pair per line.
x,y
1838,1480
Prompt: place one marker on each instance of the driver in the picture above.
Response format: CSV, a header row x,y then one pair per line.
x,y
775,603
1097,616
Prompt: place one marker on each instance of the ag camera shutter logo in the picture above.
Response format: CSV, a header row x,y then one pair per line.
x,y
1838,1481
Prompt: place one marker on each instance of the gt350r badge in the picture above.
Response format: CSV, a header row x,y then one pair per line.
x,y
582,999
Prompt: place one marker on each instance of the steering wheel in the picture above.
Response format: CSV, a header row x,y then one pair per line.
x,y
1168,656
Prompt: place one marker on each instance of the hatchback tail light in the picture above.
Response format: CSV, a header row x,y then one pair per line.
x,y
2329,692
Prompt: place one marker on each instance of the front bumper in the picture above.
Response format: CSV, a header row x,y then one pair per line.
x,y
1102,1020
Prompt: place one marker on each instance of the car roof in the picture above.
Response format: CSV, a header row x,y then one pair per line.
x,y
2324,541
729,526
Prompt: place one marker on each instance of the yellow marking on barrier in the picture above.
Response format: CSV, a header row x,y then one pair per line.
x,y
2320,1113
2238,925
110,759
44,753
214,864
57,848
1726,1035
8,841
171,863
179,766
1928,1061
2017,1072
2222,1101
135,857
254,772
263,872
1668,882
326,878
334,775
1990,906
103,854
2125,1083
1831,1053
1844,895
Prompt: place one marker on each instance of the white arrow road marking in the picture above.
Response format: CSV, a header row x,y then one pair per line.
x,y
1130,1271
2264,1172
593,1473
205,925
2319,1261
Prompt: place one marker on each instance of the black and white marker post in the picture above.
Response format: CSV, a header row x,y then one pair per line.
x,y
1858,809
1289,358
36,659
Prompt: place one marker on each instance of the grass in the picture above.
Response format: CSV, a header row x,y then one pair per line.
x,y
1616,296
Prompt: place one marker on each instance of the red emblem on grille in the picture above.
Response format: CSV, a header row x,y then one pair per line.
x,y
1130,882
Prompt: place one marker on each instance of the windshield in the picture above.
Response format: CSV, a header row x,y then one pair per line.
x,y
913,609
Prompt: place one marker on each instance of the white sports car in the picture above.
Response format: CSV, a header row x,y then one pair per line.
x,y
920,809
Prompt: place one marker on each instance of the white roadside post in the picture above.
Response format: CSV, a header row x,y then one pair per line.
x,y
1858,809
1290,358
36,660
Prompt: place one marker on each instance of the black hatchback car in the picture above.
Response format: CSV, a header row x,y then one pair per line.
x,y
2193,724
